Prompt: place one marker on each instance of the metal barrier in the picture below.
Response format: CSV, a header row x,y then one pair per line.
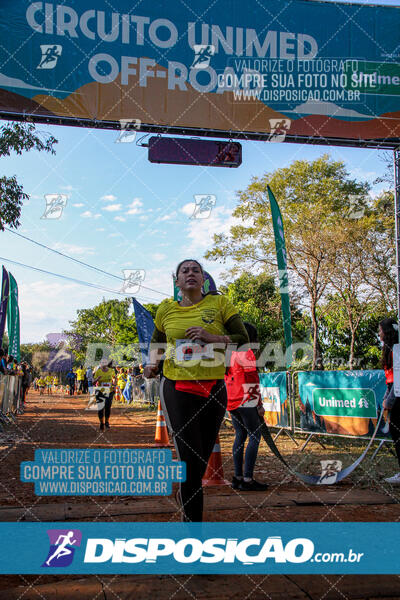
x,y
367,387
10,398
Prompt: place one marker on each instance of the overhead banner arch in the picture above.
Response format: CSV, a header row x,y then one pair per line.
x,y
300,70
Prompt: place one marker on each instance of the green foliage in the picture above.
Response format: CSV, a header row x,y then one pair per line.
x,y
110,322
338,241
17,137
336,336
258,301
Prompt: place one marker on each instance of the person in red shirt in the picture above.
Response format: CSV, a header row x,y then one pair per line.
x,y
246,408
389,335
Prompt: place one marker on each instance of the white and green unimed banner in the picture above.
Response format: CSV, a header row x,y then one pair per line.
x,y
342,402
274,395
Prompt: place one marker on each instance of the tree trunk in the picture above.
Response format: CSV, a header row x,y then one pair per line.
x,y
317,364
352,343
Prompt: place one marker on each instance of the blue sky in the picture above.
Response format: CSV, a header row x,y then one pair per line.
x,y
123,212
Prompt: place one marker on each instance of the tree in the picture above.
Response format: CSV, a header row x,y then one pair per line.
x,y
336,336
257,300
107,323
379,270
312,195
17,137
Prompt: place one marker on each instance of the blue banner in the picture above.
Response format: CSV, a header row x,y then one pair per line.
x,y
275,401
342,402
145,328
279,68
226,548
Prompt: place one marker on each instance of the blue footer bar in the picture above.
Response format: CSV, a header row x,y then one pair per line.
x,y
220,548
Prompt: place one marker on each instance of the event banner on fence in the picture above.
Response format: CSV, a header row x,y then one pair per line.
x,y
275,401
342,402
316,69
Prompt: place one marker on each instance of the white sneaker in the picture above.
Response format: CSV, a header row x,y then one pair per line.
x,y
395,480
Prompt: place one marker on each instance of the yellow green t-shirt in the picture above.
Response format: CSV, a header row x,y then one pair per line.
x,y
104,376
211,313
80,374
49,379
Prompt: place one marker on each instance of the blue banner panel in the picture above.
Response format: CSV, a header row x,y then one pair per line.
x,y
342,402
315,69
107,548
274,395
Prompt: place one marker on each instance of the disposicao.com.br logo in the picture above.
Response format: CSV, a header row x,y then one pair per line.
x,y
248,551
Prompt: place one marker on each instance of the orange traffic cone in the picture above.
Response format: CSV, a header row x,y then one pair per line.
x,y
214,474
161,438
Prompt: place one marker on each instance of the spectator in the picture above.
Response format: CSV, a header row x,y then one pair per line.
x,y
3,362
246,408
89,376
80,376
71,378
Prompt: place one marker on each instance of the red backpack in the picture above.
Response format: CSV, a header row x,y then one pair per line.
x,y
241,374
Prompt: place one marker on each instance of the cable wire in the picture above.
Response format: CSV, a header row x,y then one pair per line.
x,y
74,280
81,262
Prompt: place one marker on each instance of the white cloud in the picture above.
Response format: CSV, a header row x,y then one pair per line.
x,y
135,207
78,205
157,256
73,249
68,188
122,219
89,215
113,207
167,217
188,209
100,229
201,231
48,305
108,198
115,234
143,218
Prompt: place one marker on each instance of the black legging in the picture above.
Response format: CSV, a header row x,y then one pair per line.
x,y
394,427
106,410
194,422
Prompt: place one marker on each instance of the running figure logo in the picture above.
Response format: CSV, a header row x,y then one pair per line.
x,y
204,203
330,470
203,53
55,204
133,280
62,547
50,55
279,129
129,128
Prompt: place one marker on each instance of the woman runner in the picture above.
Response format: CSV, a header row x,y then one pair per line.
x,y
197,330
103,377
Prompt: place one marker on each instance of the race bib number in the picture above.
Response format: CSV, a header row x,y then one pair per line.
x,y
187,350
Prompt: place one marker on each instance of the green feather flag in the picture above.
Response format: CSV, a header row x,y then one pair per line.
x,y
283,274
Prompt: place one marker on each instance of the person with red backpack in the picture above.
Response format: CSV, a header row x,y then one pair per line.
x,y
389,336
246,408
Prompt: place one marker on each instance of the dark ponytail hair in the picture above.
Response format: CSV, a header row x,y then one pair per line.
x,y
390,337
252,332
